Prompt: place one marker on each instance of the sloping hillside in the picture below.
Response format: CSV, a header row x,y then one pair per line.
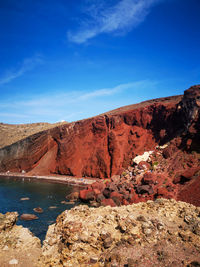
x,y
11,133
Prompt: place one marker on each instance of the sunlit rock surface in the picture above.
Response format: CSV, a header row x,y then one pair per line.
x,y
160,233
17,244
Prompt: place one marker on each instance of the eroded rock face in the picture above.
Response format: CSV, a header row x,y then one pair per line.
x,y
84,236
155,233
103,145
18,242
189,106
98,147
15,236
8,220
157,138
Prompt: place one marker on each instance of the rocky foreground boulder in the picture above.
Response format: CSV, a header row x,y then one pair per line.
x,y
160,233
18,246
156,233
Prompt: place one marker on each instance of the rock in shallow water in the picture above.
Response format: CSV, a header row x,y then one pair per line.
x,y
28,217
73,196
24,198
38,210
64,202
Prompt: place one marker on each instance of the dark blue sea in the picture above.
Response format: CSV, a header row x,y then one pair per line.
x,y
41,194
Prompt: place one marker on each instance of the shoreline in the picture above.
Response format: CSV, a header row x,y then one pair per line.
x,y
62,179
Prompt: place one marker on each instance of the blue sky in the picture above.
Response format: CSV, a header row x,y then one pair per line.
x,y
68,60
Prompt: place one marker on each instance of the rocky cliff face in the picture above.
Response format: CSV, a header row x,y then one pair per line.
x,y
102,146
96,147
160,233
156,233
18,246
171,170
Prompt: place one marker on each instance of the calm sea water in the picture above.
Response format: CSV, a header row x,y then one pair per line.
x,y
41,194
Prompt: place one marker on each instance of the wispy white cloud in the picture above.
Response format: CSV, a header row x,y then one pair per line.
x,y
27,65
70,106
120,18
110,91
62,99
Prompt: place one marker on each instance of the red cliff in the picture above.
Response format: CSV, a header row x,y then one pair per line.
x,y
95,147
104,145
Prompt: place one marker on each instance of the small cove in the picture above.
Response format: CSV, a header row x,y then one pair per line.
x,y
40,194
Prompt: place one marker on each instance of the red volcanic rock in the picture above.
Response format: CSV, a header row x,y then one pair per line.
x,y
116,195
87,195
125,202
97,147
191,192
185,176
96,191
135,199
163,192
99,198
149,178
189,143
188,174
168,152
99,186
103,146
108,202
143,165
106,193
145,189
